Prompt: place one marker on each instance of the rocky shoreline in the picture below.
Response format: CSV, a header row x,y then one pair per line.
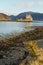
x,y
13,49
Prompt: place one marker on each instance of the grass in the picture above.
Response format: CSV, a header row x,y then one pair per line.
x,y
20,39
33,48
37,55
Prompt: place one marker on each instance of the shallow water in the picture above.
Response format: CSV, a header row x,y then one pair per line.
x,y
16,27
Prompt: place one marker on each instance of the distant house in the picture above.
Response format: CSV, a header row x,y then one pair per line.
x,y
27,18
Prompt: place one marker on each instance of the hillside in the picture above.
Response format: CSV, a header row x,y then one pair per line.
x,y
35,16
4,17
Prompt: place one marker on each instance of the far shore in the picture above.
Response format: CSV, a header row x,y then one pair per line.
x,y
18,21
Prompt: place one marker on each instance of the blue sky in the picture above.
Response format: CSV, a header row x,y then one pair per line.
x,y
14,7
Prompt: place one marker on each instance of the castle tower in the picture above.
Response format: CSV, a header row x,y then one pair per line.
x,y
28,16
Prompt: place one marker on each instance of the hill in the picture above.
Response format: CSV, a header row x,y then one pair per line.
x,y
4,17
35,16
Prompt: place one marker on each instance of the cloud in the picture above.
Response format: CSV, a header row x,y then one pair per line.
x,y
40,3
28,5
24,4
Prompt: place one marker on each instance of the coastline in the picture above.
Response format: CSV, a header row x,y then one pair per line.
x,y
13,49
23,37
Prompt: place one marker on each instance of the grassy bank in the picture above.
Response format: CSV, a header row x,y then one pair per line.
x,y
21,38
14,51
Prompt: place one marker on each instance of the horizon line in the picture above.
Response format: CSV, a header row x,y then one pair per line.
x,y
20,13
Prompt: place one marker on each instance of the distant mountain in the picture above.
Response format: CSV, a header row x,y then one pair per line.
x,y
4,17
13,17
35,16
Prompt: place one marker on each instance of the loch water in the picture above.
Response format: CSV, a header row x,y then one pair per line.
x,y
17,27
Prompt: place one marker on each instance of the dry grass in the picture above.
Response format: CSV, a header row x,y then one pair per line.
x,y
13,40
37,58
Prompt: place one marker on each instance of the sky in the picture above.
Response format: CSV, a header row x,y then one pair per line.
x,y
14,7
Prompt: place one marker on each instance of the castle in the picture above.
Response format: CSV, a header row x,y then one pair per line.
x,y
28,18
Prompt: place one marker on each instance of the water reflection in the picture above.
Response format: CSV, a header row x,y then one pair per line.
x,y
16,27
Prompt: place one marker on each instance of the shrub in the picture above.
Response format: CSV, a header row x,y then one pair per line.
x,y
33,48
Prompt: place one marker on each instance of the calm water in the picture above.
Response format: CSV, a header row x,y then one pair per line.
x,y
16,27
